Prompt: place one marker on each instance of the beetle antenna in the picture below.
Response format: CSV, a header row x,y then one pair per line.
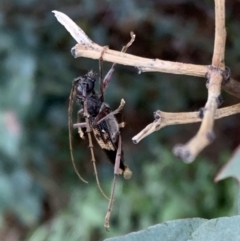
x,y
70,124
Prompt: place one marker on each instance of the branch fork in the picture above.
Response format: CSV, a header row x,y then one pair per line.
x,y
218,77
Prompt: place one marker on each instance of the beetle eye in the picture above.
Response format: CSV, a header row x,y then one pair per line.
x,y
79,89
90,86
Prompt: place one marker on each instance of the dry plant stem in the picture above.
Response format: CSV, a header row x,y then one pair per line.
x,y
116,173
151,65
91,149
167,119
88,49
110,72
70,133
205,135
143,64
220,35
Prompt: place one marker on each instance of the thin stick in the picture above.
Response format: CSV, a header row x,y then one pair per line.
x,y
143,64
71,97
205,135
164,119
88,49
100,62
104,83
220,35
125,48
151,65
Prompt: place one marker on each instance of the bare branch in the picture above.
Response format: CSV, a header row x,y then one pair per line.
x,y
205,135
215,73
143,64
88,49
164,119
220,35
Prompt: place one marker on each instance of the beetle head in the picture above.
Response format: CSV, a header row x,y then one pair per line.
x,y
85,84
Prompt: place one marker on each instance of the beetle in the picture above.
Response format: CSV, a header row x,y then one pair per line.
x,y
100,119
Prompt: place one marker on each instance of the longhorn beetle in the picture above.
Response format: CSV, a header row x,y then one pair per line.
x,y
99,119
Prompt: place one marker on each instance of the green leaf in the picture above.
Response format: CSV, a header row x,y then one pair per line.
x,y
231,169
226,228
196,229
171,230
239,201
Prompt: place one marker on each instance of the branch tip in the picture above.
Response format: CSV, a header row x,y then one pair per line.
x,y
184,153
134,141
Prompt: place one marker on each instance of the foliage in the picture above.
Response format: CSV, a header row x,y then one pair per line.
x,y
164,198
194,229
231,169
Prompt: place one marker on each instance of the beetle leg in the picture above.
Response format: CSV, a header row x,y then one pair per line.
x,y
104,82
79,126
80,131
116,173
86,115
121,125
120,107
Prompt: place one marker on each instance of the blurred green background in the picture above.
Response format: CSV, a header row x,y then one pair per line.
x,y
41,198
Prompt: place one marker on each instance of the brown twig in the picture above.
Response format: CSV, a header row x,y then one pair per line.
x,y
143,64
216,73
151,65
220,35
88,49
163,119
205,135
